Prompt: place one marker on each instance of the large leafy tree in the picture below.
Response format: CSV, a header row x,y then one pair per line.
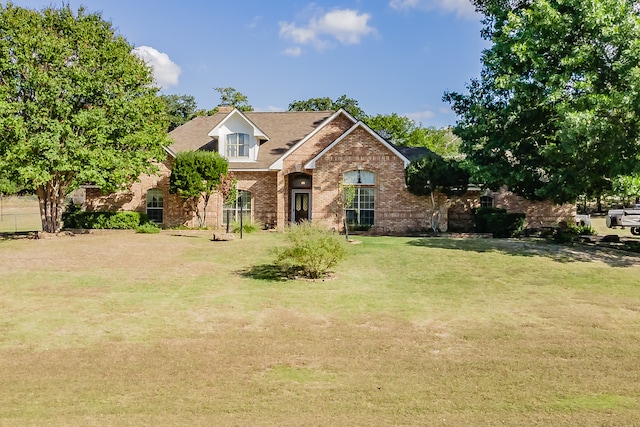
x,y
76,106
403,131
180,109
556,111
196,175
350,105
432,174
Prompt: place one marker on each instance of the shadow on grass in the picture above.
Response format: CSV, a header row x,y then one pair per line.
x,y
535,248
266,272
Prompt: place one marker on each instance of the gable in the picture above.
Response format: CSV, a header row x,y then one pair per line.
x,y
279,163
377,138
284,130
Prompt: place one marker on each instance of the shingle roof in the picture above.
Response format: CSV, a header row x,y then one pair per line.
x,y
284,130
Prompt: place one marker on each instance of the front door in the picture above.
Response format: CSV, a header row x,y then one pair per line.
x,y
301,205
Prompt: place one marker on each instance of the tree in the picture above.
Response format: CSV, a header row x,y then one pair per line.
x,y
350,105
76,106
230,96
556,111
434,173
403,131
197,175
180,109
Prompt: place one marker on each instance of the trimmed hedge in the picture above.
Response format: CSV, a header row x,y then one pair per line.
x,y
499,222
73,217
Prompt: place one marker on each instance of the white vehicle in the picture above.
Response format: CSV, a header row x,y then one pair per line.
x,y
626,217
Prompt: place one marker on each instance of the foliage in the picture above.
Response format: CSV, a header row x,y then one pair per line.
x,y
313,250
197,175
148,228
234,98
350,105
571,233
626,186
499,222
556,112
179,108
434,173
403,131
228,188
76,106
7,187
247,227
73,217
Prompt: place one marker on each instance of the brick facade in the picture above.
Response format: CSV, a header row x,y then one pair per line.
x,y
357,148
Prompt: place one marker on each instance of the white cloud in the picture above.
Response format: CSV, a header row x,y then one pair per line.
x,y
165,71
293,51
420,116
345,26
462,8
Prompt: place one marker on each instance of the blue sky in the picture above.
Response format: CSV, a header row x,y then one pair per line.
x,y
392,56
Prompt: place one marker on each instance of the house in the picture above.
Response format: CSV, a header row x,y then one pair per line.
x,y
290,167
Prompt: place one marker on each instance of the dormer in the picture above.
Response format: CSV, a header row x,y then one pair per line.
x,y
238,138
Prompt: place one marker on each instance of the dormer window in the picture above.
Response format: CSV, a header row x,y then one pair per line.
x,y
237,145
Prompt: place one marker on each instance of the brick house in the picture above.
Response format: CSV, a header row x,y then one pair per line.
x,y
290,166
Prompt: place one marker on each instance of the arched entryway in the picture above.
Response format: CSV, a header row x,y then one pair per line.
x,y
300,185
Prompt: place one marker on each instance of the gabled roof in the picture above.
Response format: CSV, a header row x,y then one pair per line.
x,y
257,132
284,130
278,164
312,163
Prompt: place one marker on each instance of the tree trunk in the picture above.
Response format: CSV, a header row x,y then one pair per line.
x,y
51,200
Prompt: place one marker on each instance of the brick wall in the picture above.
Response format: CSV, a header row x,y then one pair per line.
x,y
396,209
539,213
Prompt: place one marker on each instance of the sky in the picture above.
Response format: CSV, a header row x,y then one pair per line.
x,y
392,56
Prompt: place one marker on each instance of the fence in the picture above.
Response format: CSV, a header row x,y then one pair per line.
x,y
16,223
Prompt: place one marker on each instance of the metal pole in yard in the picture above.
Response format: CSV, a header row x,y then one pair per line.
x,y
241,214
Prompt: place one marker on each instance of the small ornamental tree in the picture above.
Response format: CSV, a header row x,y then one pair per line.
x,y
76,106
195,176
433,173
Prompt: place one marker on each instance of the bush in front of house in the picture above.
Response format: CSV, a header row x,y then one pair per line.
x,y
247,227
571,233
74,217
148,228
499,222
312,250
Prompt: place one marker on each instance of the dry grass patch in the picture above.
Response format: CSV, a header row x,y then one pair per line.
x,y
120,328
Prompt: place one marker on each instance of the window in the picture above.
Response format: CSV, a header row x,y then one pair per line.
x,y
486,202
155,205
361,210
237,145
242,206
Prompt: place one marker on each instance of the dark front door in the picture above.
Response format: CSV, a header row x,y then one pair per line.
x,y
301,205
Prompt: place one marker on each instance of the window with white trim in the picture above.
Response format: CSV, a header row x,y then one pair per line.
x,y
486,202
237,145
155,205
361,210
242,206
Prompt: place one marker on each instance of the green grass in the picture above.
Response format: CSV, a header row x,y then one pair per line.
x,y
119,328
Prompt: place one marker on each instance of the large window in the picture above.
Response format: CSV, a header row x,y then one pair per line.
x,y
237,145
242,206
155,205
361,210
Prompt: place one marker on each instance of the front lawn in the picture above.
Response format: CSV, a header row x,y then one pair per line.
x,y
118,328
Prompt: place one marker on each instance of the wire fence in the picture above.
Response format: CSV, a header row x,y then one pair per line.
x,y
19,223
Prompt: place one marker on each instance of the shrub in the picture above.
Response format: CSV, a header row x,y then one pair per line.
x,y
247,227
312,250
571,233
499,222
74,217
148,228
